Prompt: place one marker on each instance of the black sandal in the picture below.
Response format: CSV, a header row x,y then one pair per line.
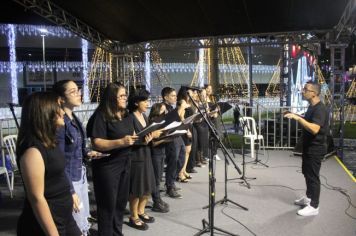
x,y
135,224
146,218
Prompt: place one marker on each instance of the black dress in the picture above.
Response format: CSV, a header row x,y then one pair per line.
x,y
56,192
188,140
142,180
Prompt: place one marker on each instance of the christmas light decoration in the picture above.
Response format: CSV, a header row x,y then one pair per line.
x,y
86,97
202,68
11,38
148,69
34,30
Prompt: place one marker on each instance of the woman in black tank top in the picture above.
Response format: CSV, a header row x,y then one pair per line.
x,y
48,203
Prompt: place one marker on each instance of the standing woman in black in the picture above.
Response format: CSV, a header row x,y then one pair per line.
x,y
158,154
111,132
142,180
183,98
48,202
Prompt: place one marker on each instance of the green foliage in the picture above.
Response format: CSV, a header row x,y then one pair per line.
x,y
235,140
350,130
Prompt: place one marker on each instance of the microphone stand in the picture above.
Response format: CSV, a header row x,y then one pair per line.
x,y
225,199
257,161
243,177
208,226
11,106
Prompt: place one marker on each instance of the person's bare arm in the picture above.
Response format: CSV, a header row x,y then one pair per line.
x,y
309,126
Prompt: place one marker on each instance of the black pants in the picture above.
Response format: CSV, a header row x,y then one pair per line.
x,y
203,138
158,156
175,154
311,168
111,179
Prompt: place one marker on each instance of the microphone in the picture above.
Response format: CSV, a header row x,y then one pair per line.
x,y
192,88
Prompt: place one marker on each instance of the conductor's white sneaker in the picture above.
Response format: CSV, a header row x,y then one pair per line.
x,y
308,211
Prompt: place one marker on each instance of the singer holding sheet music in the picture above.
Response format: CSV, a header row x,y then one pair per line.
x,y
142,180
175,150
213,107
183,100
202,132
111,131
158,152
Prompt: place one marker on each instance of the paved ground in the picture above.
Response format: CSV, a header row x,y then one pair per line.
x,y
270,202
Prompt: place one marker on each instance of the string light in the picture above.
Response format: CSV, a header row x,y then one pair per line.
x,y
34,30
11,37
86,97
148,69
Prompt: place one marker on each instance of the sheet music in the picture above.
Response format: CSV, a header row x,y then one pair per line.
x,y
173,134
152,127
190,119
172,125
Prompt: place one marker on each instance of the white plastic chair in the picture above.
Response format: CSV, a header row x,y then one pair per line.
x,y
10,144
250,134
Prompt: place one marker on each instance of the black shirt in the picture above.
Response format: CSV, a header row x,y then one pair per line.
x,y
56,191
316,144
99,127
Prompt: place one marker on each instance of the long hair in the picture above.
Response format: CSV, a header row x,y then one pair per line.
x,y
210,97
38,120
108,102
155,111
182,95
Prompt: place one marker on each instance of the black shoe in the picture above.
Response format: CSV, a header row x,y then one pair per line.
x,y
135,224
160,206
192,171
146,218
172,193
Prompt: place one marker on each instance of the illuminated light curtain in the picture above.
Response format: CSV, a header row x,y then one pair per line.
x,y
86,97
201,68
11,39
148,69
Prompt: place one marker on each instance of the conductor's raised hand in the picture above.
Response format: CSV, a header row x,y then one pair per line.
x,y
291,115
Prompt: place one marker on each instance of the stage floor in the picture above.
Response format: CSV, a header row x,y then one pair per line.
x,y
269,201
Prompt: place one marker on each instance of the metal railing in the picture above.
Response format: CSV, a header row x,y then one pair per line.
x,y
277,131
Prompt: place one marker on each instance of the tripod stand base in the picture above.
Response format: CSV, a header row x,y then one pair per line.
x,y
244,180
257,162
207,229
225,200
